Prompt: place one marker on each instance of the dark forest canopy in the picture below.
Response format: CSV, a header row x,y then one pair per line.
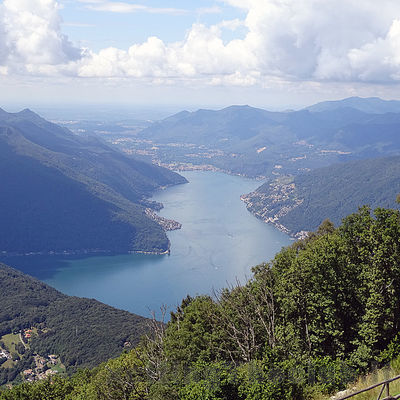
x,y
322,311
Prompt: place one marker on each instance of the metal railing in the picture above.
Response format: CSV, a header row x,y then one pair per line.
x,y
384,384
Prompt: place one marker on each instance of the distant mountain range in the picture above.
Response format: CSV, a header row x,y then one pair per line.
x,y
369,105
295,148
82,332
302,202
76,194
251,141
64,193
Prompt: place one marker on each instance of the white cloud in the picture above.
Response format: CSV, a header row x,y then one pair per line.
x,y
78,25
31,36
124,8
334,40
116,7
286,40
201,53
379,60
310,39
4,51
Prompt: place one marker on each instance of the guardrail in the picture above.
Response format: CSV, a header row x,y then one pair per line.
x,y
384,384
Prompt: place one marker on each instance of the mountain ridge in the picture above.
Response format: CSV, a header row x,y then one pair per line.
x,y
116,189
251,141
373,105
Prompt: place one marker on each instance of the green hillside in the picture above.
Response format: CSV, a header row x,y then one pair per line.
x,y
63,193
302,202
82,332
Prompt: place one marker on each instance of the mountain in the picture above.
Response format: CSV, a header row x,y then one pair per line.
x,y
64,193
252,141
302,202
370,105
81,332
209,126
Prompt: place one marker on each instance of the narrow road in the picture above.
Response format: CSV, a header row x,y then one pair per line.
x,y
20,338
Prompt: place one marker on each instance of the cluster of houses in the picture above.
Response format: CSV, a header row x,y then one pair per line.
x,y
31,375
42,369
5,354
43,365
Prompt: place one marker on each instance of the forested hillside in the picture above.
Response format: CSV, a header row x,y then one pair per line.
x,y
302,202
82,332
62,193
321,312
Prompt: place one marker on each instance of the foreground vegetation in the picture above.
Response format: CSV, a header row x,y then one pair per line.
x,y
323,312
373,378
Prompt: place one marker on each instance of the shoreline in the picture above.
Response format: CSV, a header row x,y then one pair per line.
x,y
282,228
92,252
274,221
210,168
151,253
56,253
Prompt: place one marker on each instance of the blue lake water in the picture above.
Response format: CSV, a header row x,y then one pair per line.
x,y
219,242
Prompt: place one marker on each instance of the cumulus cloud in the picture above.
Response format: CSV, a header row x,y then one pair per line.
x,y
310,39
201,53
3,45
292,40
31,37
333,40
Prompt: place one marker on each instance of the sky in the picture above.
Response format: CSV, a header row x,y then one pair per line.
x,y
276,54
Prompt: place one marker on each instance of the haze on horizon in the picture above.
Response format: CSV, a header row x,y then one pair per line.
x,y
273,54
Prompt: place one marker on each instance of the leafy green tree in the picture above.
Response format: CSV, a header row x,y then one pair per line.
x,y
191,334
210,381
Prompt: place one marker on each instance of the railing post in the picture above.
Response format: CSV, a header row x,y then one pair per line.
x,y
383,385
380,393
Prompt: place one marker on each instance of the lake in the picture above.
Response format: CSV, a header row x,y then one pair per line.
x,y
219,243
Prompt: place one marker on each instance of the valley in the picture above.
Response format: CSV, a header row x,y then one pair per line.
x,y
199,200
281,148
257,157
218,243
138,237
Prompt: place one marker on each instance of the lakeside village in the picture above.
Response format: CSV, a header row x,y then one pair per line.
x,y
13,348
